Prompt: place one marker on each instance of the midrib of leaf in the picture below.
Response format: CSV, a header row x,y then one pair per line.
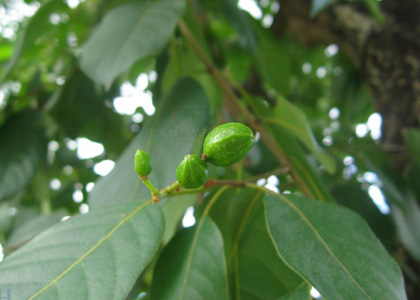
x,y
194,244
236,243
318,236
93,248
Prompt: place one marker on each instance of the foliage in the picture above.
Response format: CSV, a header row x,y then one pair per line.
x,y
203,63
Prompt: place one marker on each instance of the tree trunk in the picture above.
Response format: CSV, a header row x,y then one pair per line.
x,y
388,55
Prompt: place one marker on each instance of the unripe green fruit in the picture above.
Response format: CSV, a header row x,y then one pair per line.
x,y
228,143
191,172
142,163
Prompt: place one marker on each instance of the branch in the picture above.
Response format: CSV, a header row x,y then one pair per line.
x,y
223,83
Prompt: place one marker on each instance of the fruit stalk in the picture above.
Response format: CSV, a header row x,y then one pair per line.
x,y
151,187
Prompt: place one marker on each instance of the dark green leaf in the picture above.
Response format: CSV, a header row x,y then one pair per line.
x,y
333,249
169,135
127,34
374,9
81,112
173,210
294,121
407,220
93,256
240,21
21,151
352,196
35,27
413,144
301,293
404,208
192,266
33,227
255,269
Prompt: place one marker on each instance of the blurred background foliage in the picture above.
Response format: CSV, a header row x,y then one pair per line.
x,y
61,132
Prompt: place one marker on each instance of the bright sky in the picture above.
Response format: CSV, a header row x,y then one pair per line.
x,y
133,97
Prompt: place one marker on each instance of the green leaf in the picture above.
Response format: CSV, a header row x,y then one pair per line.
x,y
301,293
33,227
374,9
240,21
333,249
36,27
192,266
351,195
184,62
302,167
173,210
21,151
129,33
292,119
407,220
94,256
6,218
412,137
255,270
168,136
81,112
404,208
273,62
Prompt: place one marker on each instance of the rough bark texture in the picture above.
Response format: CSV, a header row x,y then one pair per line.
x,y
388,56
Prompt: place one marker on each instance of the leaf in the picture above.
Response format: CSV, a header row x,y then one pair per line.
x,y
375,10
173,210
192,266
184,62
407,220
7,218
240,21
273,62
94,256
352,196
301,293
302,166
128,33
304,170
255,270
33,227
169,135
405,210
292,119
412,137
333,249
81,112
21,151
35,27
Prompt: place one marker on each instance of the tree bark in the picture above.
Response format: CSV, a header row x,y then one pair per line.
x,y
388,54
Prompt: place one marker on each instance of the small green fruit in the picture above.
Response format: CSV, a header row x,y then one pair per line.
x,y
228,143
142,163
191,172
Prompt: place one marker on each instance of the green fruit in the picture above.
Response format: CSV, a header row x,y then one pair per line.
x,y
142,163
228,143
191,172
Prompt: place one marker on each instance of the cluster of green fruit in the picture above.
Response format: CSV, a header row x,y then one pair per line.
x,y
223,146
